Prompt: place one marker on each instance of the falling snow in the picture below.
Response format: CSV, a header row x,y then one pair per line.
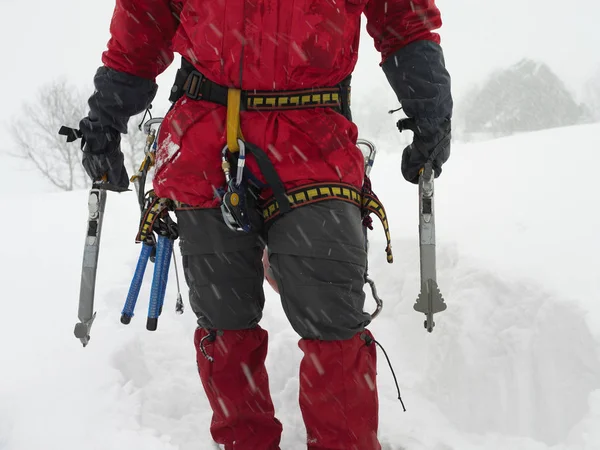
x,y
514,362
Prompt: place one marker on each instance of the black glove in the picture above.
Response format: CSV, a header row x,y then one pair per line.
x,y
431,143
117,97
109,165
102,157
418,75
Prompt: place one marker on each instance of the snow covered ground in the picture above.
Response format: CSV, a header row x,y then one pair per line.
x,y
514,362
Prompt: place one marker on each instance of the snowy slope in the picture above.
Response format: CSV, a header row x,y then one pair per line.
x,y
514,363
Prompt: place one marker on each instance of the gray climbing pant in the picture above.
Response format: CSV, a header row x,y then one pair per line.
x,y
318,258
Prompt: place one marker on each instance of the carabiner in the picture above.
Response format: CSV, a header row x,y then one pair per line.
x,y
241,162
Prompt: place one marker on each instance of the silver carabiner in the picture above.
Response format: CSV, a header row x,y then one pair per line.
x,y
241,163
370,158
154,121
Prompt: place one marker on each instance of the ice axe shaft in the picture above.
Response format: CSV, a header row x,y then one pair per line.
x,y
86,314
430,300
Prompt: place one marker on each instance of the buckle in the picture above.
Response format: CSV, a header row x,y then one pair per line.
x,y
192,85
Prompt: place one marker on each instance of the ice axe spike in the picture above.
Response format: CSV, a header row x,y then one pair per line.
x,y
429,300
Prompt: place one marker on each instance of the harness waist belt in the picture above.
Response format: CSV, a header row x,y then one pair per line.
x,y
198,87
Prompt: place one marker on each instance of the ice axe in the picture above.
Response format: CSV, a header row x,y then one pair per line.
x,y
96,205
86,314
91,250
430,300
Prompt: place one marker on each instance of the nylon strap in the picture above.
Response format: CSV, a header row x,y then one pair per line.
x,y
234,130
155,210
145,166
265,165
305,195
285,100
271,177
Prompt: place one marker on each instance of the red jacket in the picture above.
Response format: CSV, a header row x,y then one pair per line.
x,y
264,45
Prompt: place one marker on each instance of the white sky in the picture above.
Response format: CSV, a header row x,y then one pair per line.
x,y
41,40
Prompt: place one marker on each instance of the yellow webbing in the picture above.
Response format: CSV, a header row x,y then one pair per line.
x,y
156,209
305,195
145,166
234,130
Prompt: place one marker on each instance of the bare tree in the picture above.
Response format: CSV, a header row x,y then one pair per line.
x,y
36,136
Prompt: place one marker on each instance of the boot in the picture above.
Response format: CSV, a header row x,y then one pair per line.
x,y
232,369
338,393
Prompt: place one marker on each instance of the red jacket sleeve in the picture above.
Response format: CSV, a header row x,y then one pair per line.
x,y
141,35
394,24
